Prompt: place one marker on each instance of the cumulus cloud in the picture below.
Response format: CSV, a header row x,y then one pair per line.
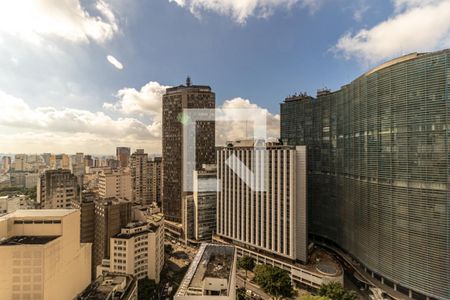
x,y
66,19
112,60
416,25
238,108
240,10
67,123
45,129
146,101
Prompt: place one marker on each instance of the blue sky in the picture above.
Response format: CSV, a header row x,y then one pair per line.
x,y
56,83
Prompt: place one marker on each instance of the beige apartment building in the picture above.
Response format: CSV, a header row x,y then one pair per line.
x,y
20,162
137,250
111,215
115,183
41,256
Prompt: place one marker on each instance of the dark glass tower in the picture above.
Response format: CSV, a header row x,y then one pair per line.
x,y
174,101
378,166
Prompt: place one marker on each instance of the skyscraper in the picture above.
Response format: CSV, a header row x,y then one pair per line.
x,y
6,163
86,205
155,170
62,161
199,208
20,162
88,161
174,101
78,168
57,189
123,156
378,170
274,219
140,177
115,183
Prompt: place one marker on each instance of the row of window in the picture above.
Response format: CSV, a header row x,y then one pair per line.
x,y
37,221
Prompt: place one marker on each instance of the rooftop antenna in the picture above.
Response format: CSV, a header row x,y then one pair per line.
x,y
188,81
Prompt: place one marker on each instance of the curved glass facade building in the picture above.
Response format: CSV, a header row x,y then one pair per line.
x,y
378,165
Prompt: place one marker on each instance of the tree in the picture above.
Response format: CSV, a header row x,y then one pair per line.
x,y
336,291
247,263
240,294
147,289
273,281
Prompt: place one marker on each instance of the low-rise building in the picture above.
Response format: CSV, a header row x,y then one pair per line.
x,y
41,255
111,286
11,203
211,275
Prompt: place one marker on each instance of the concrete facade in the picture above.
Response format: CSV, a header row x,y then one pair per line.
x,y
57,189
41,255
138,250
273,220
115,183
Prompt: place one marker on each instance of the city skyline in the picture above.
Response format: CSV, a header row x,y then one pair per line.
x,y
225,149
104,75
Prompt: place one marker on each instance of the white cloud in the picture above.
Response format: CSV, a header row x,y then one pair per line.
x,y
417,25
66,124
47,129
361,8
240,10
229,131
146,101
112,60
33,20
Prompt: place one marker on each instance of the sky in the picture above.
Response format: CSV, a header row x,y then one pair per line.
x,y
88,75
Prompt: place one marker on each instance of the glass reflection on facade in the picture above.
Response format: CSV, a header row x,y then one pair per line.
x,y
378,165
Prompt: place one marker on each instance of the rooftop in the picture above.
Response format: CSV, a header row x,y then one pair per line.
x,y
30,213
127,231
257,144
27,240
110,286
189,87
211,261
